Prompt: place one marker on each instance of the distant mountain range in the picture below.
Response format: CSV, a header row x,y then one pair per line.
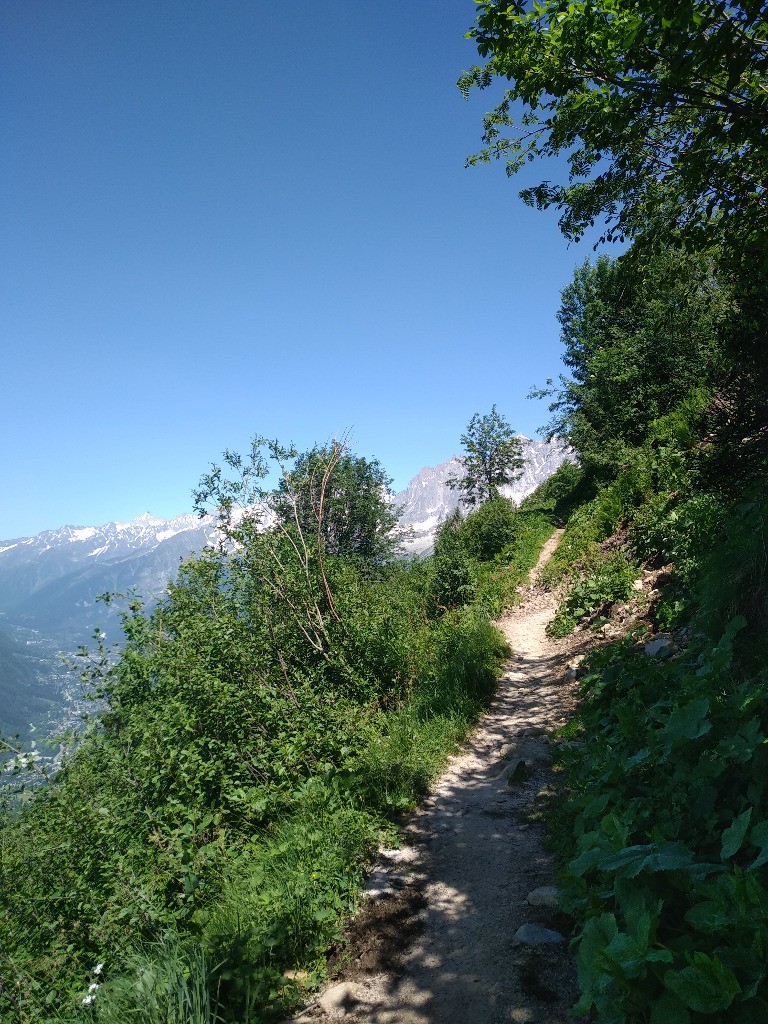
x,y
49,583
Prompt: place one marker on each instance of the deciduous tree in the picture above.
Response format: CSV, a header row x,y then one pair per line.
x,y
661,109
493,458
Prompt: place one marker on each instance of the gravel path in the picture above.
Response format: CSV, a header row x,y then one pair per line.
x,y
440,941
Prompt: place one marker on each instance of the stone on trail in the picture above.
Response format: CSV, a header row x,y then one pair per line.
x,y
535,935
344,996
544,896
658,644
519,773
401,855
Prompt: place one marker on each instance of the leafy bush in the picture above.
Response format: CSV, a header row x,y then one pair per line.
x,y
490,528
732,579
606,580
671,808
454,576
561,493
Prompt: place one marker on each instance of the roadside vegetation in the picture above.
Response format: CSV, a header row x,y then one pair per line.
x,y
263,727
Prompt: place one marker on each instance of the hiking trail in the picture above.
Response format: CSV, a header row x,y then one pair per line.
x,y
461,925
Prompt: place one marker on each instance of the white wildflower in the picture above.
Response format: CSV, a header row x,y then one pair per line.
x,y
98,969
93,988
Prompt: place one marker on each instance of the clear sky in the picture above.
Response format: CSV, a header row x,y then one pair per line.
x,y
228,217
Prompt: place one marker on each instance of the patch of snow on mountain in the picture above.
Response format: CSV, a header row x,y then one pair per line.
x,y
83,533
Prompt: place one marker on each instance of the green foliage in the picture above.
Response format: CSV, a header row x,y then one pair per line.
x,y
483,559
490,529
670,813
628,93
166,983
493,458
561,493
261,725
640,335
732,577
606,580
342,499
590,524
453,569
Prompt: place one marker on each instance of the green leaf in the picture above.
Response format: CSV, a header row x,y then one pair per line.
x,y
734,835
630,861
628,954
709,916
705,986
689,722
669,1010
759,837
598,933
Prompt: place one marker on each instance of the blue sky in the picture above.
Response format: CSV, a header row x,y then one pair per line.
x,y
227,218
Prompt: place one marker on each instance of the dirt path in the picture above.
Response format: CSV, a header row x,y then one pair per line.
x,y
439,942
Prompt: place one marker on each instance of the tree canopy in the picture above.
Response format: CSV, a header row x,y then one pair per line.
x,y
660,107
335,501
639,336
493,456
343,500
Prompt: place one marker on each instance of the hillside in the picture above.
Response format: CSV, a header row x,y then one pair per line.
x,y
26,695
50,584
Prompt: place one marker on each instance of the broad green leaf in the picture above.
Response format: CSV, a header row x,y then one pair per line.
x,y
759,837
734,835
705,986
627,954
709,916
598,933
629,862
688,722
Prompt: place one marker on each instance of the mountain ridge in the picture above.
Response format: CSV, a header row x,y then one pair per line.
x,y
50,581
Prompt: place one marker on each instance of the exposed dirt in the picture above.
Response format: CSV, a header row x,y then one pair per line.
x,y
436,942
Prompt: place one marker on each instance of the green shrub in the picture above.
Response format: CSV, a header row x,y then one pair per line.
x,y
561,493
454,576
732,578
490,528
670,820
607,579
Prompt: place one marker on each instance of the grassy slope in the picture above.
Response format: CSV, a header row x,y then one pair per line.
x,y
667,807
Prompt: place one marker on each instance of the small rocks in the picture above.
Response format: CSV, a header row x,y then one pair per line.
x,y
403,855
544,896
504,751
383,882
536,935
